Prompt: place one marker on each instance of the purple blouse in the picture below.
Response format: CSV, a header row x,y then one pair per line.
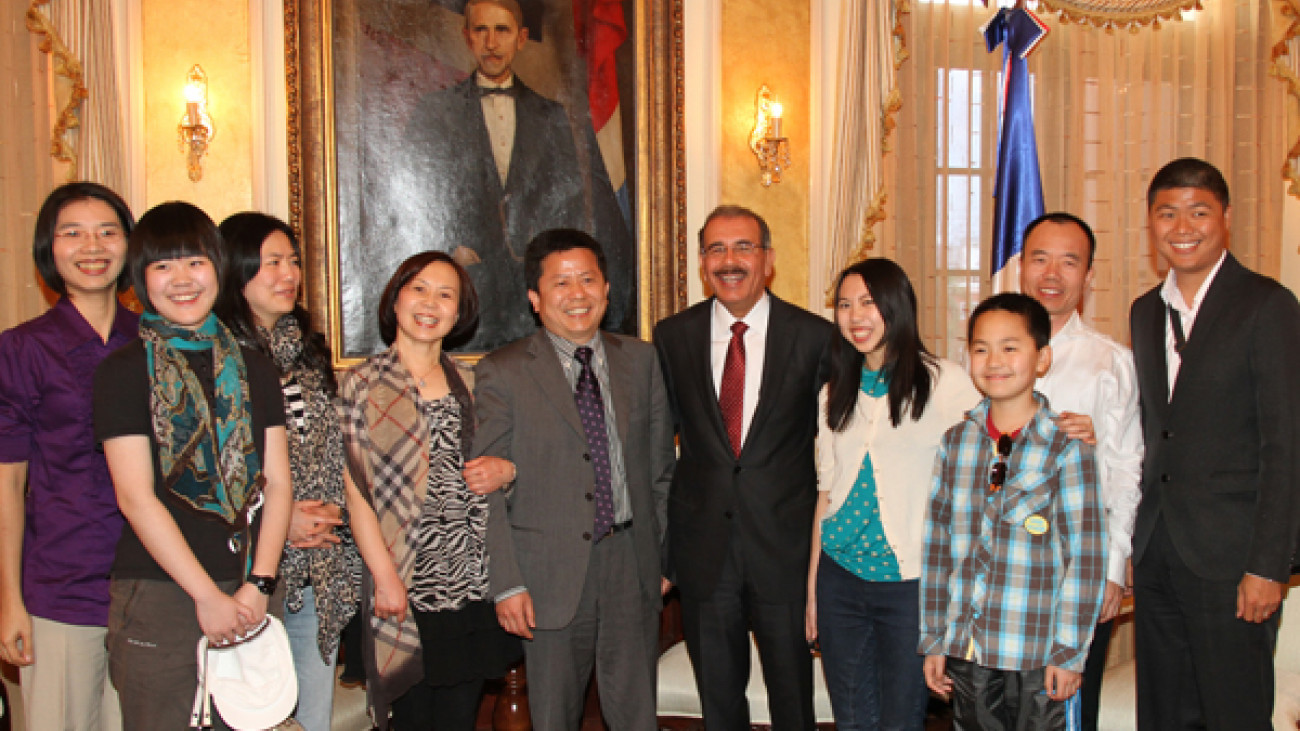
x,y
47,368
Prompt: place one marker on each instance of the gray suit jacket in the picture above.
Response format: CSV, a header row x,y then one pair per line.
x,y
539,532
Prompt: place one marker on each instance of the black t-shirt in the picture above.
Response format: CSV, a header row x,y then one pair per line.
x,y
122,409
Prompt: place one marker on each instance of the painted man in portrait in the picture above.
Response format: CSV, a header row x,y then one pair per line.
x,y
497,163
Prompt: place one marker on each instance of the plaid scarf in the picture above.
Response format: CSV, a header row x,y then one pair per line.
x,y
205,450
387,441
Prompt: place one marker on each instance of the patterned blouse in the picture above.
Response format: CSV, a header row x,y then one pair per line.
x,y
316,464
451,561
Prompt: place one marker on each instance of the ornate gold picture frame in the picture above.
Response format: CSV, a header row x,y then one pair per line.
x,y
327,190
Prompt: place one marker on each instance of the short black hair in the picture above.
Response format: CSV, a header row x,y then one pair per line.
x,y
556,241
47,220
170,230
1037,321
734,211
1061,217
466,307
1189,172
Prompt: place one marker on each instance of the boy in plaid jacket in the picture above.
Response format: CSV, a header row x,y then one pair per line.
x,y
1015,540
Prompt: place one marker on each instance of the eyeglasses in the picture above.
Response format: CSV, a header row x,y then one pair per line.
x,y
998,475
717,249
110,234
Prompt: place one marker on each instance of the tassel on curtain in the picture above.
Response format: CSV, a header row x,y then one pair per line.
x,y
88,131
68,67
1286,66
1121,14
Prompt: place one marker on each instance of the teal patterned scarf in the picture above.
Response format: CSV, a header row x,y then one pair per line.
x,y
218,477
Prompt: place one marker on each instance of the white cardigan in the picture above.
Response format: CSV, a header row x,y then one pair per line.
x,y
902,458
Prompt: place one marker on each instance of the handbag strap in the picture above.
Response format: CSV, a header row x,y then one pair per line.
x,y
201,714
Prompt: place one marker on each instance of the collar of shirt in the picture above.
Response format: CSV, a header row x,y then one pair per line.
x,y
1173,296
77,332
756,318
486,83
1034,431
1073,328
566,351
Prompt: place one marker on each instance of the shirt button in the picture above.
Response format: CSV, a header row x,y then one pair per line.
x,y
735,470
587,457
589,497
1166,434
727,515
1164,478
586,536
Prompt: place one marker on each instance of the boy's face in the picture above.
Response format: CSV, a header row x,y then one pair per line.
x,y
1004,360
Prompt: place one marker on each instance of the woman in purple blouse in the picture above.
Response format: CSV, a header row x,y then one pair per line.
x,y
59,522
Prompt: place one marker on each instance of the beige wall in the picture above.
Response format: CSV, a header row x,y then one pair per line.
x,y
768,42
176,34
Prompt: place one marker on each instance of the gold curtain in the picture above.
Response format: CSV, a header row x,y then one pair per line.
x,y
1110,109
27,172
871,50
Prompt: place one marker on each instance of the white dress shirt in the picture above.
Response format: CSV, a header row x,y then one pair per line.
x,y
499,115
755,350
1094,375
902,458
1173,296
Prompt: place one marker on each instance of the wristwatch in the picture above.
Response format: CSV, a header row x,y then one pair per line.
x,y
264,584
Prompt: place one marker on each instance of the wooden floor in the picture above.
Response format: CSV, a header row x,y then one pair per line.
x,y
938,715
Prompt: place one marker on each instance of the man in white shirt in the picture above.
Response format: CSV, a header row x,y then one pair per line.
x,y
1217,350
1094,376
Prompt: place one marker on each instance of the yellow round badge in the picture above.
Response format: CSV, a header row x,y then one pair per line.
x,y
1036,525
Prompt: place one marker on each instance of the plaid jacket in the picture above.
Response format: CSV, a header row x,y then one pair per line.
x,y
1013,579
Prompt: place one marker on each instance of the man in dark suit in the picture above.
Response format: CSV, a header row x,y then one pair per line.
x,y
575,542
743,370
1217,350
498,164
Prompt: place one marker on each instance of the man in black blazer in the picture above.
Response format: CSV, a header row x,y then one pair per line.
x,y
1217,349
498,164
741,505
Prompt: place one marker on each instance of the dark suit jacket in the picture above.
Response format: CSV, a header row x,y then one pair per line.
x,y
557,179
765,498
539,533
1222,464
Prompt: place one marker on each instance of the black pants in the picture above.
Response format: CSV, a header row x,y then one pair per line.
x,y
984,699
1198,666
1093,670
717,640
441,708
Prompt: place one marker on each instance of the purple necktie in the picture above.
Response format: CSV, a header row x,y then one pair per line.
x,y
591,409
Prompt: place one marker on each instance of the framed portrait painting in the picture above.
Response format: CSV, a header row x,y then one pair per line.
x,y
470,126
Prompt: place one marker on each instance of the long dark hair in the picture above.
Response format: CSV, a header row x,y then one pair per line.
x,y
242,237
907,360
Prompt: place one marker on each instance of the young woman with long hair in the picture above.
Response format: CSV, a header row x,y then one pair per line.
x,y
260,284
884,410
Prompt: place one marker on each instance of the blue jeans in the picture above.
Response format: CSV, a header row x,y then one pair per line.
x,y
869,633
315,677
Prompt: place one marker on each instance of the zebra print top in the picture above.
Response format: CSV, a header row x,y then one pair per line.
x,y
451,565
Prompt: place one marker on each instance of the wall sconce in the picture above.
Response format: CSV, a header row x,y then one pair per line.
x,y
195,129
766,141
